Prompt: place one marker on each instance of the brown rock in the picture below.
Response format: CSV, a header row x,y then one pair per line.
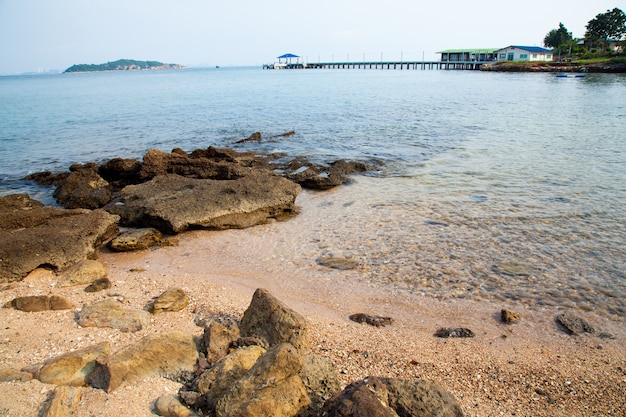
x,y
174,299
169,406
137,239
217,339
63,403
321,382
456,332
110,313
392,397
166,354
271,388
98,285
338,263
34,303
120,172
14,375
83,272
83,188
376,321
73,368
509,317
215,382
173,204
268,318
32,235
574,325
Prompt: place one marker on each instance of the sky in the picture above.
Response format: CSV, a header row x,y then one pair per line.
x,y
43,35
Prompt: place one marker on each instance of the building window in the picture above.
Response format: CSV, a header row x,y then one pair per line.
x,y
549,56
502,56
534,56
523,56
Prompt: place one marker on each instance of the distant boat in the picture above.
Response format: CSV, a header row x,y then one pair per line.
x,y
571,75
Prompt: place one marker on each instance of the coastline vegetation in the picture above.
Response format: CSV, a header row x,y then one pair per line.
x,y
121,65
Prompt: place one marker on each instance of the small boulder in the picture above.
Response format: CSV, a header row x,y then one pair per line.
x,y
268,318
574,325
170,406
376,321
457,332
98,285
169,355
217,339
83,272
136,239
174,299
63,402
393,397
215,382
110,313
14,375
32,303
83,188
271,388
509,317
73,368
321,382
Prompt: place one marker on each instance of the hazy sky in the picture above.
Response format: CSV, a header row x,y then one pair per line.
x,y
55,34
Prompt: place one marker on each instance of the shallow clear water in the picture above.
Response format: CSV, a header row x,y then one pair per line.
x,y
497,186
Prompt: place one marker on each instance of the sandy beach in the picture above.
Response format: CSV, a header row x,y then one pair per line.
x,y
531,368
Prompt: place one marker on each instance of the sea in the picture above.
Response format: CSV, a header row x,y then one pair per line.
x,y
503,187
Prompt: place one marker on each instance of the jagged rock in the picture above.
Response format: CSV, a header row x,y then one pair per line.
x,y
32,235
83,188
574,325
47,178
198,165
392,397
73,368
376,321
170,355
32,303
14,375
268,318
457,332
110,313
217,339
509,317
215,382
136,239
83,272
321,382
315,177
63,402
255,137
173,204
271,388
169,406
120,172
98,285
174,299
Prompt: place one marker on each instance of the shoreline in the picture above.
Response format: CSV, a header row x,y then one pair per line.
x,y
529,368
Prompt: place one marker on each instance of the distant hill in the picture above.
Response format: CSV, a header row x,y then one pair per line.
x,y
122,65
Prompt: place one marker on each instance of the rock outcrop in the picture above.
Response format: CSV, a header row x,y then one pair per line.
x,y
173,204
73,368
83,188
32,235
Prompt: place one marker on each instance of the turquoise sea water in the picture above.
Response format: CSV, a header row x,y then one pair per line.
x,y
494,186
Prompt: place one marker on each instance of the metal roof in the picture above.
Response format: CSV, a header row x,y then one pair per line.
x,y
529,48
471,51
288,56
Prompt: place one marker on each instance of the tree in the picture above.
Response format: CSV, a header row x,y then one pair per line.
x,y
607,26
557,37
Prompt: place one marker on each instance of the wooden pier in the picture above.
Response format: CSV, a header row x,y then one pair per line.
x,y
389,65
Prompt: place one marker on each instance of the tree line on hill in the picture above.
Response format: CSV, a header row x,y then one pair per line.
x,y
605,32
119,65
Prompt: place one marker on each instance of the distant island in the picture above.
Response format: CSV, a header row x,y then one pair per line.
x,y
123,65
